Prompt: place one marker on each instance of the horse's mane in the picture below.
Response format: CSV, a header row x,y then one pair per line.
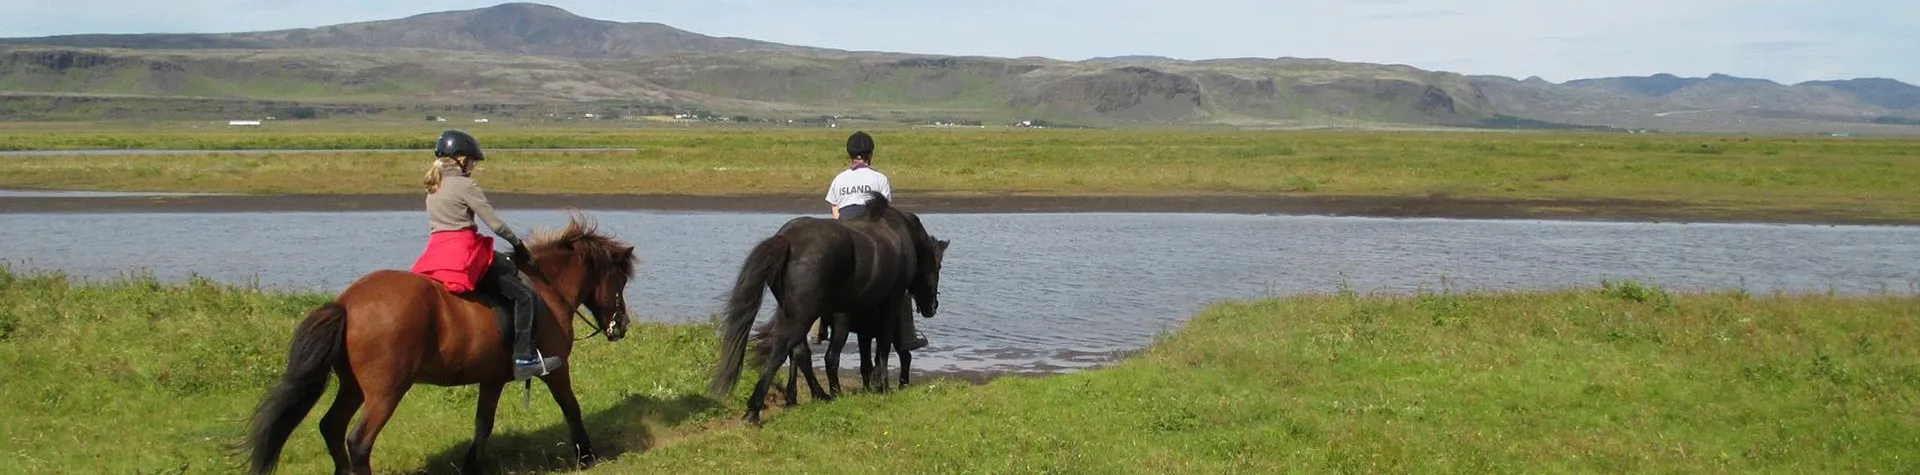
x,y
582,236
877,206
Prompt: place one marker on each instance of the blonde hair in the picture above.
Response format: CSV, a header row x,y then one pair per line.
x,y
432,179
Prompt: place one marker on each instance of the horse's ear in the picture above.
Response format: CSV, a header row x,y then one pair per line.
x,y
943,244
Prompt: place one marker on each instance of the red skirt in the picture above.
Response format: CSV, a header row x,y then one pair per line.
x,y
458,259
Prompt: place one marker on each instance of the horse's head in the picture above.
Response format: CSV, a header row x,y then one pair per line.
x,y
926,281
591,270
929,253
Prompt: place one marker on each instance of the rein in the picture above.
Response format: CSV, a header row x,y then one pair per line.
x,y
578,315
583,317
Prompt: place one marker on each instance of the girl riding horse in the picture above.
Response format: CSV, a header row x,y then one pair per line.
x,y
463,259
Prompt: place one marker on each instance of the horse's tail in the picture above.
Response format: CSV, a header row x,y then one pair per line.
x,y
763,268
317,346
761,343
877,205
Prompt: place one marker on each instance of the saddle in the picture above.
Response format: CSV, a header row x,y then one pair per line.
x,y
503,308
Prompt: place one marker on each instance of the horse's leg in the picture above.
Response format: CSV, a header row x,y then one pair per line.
x,y
836,344
904,312
885,345
384,377
381,400
482,425
792,396
788,332
560,383
757,401
866,362
333,426
906,360
803,358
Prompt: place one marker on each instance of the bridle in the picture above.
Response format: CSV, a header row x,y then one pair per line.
x,y
621,303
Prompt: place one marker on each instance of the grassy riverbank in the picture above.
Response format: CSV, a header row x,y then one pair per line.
x,y
142,376
1702,175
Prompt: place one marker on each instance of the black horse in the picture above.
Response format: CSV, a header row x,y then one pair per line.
x,y
863,268
924,290
803,356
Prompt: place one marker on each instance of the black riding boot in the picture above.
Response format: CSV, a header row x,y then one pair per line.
x,y
527,361
917,341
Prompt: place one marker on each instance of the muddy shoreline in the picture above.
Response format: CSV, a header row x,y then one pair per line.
x,y
1368,206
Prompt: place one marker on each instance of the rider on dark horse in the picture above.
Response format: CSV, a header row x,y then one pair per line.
x,y
848,195
464,260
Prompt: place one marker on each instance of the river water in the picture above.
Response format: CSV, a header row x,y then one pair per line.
x,y
1027,292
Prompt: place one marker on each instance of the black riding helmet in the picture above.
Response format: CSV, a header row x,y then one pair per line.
x,y
454,142
860,145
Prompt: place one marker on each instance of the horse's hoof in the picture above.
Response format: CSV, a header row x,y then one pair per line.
x,y
585,457
753,420
471,464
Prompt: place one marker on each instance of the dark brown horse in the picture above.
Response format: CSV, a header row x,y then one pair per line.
x,y
816,267
803,356
392,329
925,293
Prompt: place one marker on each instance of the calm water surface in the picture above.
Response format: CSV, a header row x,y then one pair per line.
x,y
1026,292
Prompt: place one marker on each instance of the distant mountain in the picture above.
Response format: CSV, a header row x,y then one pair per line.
x,y
528,54
1881,92
1242,92
511,28
1717,102
1661,85
1137,58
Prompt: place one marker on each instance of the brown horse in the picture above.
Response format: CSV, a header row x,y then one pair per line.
x,y
392,329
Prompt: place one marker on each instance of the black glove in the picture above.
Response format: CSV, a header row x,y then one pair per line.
x,y
521,254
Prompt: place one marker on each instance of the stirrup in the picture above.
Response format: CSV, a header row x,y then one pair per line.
x,y
541,366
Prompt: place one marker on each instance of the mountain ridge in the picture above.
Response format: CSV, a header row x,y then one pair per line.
x,y
537,53
516,28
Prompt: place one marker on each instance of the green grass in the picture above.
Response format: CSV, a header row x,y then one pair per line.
x,y
138,376
141,376
1864,178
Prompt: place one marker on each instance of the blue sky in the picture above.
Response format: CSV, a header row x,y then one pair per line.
x,y
1782,40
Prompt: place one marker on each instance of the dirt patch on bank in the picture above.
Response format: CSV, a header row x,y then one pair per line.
x,y
1372,206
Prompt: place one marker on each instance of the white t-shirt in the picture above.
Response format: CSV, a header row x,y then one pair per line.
x,y
850,187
